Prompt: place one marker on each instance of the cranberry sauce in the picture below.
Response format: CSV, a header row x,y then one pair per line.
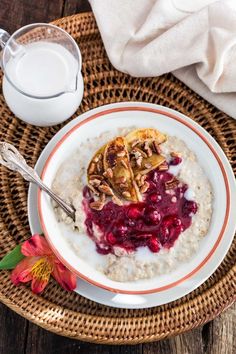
x,y
156,222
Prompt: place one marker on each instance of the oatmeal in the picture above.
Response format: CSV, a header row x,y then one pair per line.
x,y
124,230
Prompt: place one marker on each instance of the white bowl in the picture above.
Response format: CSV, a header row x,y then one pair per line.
x,y
214,245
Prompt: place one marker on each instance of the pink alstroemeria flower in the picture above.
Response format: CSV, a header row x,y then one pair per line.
x,y
39,264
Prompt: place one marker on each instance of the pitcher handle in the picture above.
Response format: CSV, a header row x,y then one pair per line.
x,y
4,36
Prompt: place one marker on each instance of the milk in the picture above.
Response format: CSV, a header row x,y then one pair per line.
x,y
39,70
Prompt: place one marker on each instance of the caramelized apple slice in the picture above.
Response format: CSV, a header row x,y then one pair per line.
x,y
141,135
116,159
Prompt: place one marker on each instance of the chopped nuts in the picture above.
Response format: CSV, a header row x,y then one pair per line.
x,y
135,142
163,167
145,187
117,200
102,197
108,173
156,147
126,194
175,154
92,168
95,182
139,161
172,183
105,189
98,205
142,179
147,149
124,186
93,189
137,178
100,166
96,177
121,179
138,152
148,165
121,153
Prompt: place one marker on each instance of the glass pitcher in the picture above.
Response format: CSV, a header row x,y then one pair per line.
x,y
42,81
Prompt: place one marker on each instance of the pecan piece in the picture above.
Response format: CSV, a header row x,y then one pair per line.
x,y
144,187
117,200
175,154
92,168
163,167
108,173
173,183
93,189
147,149
126,194
95,182
105,189
156,147
98,205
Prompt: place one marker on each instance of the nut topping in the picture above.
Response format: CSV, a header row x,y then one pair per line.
x,y
95,182
126,194
175,154
96,177
138,152
102,197
173,183
145,187
163,167
148,165
92,168
108,173
147,149
156,147
117,200
98,205
93,189
121,153
105,189
121,179
139,161
100,167
135,142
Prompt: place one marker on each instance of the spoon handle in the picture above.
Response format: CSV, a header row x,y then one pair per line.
x,y
12,159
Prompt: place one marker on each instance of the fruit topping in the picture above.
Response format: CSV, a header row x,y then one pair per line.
x,y
156,222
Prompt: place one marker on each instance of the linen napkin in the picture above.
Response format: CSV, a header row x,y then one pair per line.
x,y
196,40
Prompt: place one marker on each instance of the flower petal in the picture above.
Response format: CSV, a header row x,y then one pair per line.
x,y
36,246
22,272
38,285
64,276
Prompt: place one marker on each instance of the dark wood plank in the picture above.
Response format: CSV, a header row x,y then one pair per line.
x,y
13,332
17,13
187,343
220,336
41,342
75,6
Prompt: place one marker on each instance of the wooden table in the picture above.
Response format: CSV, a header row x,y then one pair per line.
x,y
17,335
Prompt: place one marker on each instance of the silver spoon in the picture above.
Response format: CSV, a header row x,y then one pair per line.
x,y
11,158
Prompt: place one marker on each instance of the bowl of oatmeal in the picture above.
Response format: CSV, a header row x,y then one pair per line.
x,y
151,200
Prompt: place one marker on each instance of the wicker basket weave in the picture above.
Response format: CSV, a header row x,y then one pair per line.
x,y
72,315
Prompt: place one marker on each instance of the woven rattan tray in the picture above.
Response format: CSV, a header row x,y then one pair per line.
x,y
72,315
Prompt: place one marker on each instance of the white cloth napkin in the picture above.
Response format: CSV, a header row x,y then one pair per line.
x,y
194,39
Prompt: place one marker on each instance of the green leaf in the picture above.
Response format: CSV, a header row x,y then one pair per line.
x,y
12,259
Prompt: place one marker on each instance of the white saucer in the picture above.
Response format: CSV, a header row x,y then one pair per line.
x,y
148,300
